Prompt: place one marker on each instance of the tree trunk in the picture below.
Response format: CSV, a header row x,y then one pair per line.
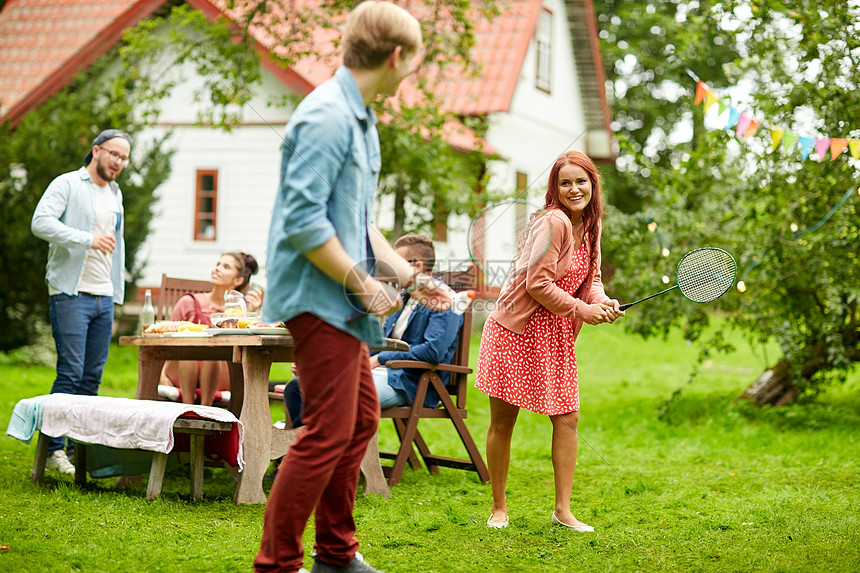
x,y
399,211
773,387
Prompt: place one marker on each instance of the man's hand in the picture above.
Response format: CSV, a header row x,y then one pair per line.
x,y
379,298
432,293
254,300
374,362
104,243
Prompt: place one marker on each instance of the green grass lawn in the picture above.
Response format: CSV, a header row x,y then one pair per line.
x,y
711,486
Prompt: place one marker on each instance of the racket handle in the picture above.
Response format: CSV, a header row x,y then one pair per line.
x,y
629,304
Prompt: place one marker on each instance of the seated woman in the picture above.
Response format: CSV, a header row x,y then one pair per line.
x,y
233,272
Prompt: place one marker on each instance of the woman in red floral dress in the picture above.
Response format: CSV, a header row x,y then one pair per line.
x,y
527,357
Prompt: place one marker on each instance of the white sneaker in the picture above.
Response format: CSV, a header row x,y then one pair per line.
x,y
59,461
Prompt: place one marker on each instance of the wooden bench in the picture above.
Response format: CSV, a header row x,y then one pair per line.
x,y
196,429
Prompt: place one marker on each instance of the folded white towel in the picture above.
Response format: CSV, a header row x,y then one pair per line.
x,y
122,422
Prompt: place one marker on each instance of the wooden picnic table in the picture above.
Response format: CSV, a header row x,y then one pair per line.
x,y
249,358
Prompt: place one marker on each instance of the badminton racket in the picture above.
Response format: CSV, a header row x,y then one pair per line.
x,y
704,275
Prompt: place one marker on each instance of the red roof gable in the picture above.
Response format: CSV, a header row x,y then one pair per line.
x,y
44,43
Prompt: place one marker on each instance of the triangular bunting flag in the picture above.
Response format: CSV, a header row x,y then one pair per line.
x,y
701,89
734,116
752,129
821,146
854,148
837,146
710,100
776,134
806,145
743,125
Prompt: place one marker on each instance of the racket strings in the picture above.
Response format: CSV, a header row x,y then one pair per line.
x,y
705,275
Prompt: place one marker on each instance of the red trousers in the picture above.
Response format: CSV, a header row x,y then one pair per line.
x,y
320,472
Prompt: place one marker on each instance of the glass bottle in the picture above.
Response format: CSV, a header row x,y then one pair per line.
x,y
147,313
461,301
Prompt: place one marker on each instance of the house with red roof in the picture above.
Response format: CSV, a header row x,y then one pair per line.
x,y
540,88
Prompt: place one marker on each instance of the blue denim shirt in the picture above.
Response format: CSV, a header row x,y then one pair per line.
x,y
65,217
329,171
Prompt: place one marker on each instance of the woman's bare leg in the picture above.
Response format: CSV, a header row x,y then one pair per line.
x,y
503,417
564,445
210,377
170,374
188,374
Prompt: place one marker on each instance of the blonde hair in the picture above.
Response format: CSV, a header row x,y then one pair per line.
x,y
374,29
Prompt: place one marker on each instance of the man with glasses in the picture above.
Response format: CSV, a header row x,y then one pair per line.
x,y
81,216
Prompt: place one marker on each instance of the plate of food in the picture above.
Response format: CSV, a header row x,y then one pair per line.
x,y
262,328
280,330
174,326
226,331
190,334
234,320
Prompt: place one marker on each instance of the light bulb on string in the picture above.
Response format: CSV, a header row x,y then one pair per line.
x,y
793,227
666,252
665,280
652,226
742,286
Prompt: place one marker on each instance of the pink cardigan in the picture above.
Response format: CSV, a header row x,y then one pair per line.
x,y
534,284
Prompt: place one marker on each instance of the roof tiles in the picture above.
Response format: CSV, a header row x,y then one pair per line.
x,y
43,42
38,37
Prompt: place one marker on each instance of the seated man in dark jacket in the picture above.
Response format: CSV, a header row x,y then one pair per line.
x,y
432,337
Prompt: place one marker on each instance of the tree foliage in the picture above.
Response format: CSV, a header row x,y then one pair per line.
x,y
800,59
160,50
426,177
648,46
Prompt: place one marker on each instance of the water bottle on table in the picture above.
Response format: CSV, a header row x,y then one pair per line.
x,y
147,313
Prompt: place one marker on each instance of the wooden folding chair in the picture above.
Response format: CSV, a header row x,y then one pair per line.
x,y
406,418
172,290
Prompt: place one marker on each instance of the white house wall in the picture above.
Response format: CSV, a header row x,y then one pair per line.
x,y
247,160
180,108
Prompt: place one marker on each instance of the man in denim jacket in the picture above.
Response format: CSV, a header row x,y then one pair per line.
x,y
322,251
81,216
